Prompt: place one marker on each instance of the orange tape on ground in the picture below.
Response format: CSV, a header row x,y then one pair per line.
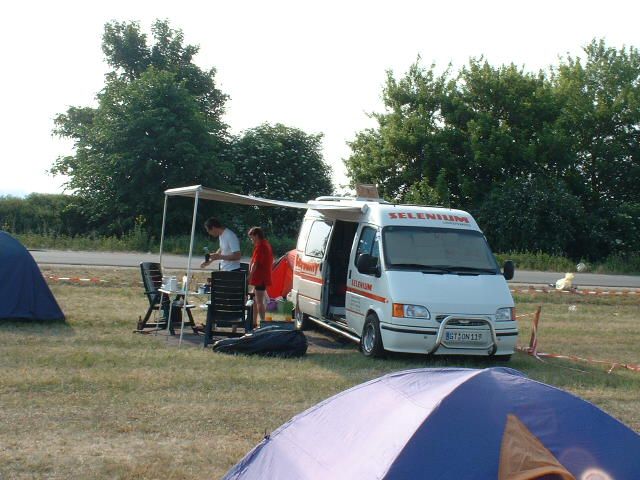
x,y
532,349
75,279
628,366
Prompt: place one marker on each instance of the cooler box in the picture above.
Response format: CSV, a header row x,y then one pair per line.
x,y
284,307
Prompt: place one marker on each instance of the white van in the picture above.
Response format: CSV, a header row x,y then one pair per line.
x,y
403,278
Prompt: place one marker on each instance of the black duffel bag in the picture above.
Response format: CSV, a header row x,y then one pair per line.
x,y
271,341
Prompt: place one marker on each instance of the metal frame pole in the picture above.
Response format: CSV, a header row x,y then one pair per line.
x,y
186,284
164,219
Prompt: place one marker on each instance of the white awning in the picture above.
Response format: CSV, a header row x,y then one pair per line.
x,y
336,212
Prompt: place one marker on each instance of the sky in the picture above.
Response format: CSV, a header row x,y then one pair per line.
x,y
316,66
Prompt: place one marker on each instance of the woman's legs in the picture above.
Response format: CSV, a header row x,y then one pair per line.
x,y
259,307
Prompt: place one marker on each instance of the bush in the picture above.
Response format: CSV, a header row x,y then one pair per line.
x,y
537,261
613,264
620,263
45,214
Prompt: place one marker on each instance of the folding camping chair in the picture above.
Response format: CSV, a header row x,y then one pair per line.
x,y
152,281
228,306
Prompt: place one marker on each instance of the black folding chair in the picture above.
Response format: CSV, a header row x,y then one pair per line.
x,y
228,305
152,281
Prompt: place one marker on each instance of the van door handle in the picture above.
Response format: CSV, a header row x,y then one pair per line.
x,y
349,274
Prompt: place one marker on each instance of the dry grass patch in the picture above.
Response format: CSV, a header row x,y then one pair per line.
x,y
90,399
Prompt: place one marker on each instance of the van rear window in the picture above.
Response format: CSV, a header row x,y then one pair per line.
x,y
318,237
304,235
437,249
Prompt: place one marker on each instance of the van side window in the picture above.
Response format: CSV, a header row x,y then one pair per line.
x,y
304,235
368,243
318,236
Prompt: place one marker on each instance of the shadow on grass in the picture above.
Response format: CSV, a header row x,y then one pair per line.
x,y
36,327
322,343
334,352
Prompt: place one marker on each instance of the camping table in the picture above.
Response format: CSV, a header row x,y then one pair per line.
x,y
178,294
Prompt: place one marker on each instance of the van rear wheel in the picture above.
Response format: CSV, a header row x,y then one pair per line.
x,y
371,340
302,321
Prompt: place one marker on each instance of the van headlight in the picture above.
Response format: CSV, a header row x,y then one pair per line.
x,y
402,310
505,314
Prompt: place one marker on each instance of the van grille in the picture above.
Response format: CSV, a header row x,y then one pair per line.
x,y
461,322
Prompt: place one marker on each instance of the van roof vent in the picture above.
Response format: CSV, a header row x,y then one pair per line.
x,y
367,192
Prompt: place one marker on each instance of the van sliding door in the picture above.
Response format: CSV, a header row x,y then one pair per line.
x,y
308,276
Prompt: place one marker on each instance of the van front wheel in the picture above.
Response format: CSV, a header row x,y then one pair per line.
x,y
371,340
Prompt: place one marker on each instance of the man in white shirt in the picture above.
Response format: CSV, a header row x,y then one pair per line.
x,y
229,251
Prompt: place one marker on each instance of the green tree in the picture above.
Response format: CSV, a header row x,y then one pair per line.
x,y
157,125
283,163
459,135
601,114
534,215
569,138
600,94
409,143
506,128
421,193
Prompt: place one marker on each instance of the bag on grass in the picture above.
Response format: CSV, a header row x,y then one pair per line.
x,y
566,282
270,341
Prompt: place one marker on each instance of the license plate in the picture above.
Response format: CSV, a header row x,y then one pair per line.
x,y
464,337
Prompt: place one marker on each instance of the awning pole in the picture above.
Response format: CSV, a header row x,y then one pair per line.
x,y
164,218
186,285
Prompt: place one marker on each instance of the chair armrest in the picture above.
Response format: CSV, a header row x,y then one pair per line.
x,y
180,304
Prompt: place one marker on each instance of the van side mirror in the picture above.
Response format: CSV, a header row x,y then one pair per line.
x,y
508,270
368,264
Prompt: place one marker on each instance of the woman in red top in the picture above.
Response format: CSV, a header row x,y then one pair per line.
x,y
260,271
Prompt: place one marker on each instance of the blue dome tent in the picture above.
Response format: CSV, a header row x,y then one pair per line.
x,y
448,424
23,290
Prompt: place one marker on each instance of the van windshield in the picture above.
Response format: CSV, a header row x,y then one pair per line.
x,y
437,250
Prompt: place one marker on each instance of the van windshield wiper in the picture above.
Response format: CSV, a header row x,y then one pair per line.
x,y
423,268
471,269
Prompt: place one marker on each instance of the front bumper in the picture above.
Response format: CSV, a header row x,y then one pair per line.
x,y
451,336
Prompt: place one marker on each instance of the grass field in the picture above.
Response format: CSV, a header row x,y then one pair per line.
x,y
90,399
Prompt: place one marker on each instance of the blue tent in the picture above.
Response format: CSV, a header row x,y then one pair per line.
x,y
23,290
448,424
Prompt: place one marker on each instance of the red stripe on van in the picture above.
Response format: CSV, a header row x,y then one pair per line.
x,y
372,296
311,278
